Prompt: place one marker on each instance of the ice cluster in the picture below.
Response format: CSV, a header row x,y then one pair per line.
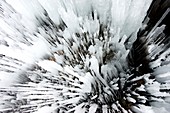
x,y
83,56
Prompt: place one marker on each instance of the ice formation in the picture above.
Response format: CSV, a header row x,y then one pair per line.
x,y
84,56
